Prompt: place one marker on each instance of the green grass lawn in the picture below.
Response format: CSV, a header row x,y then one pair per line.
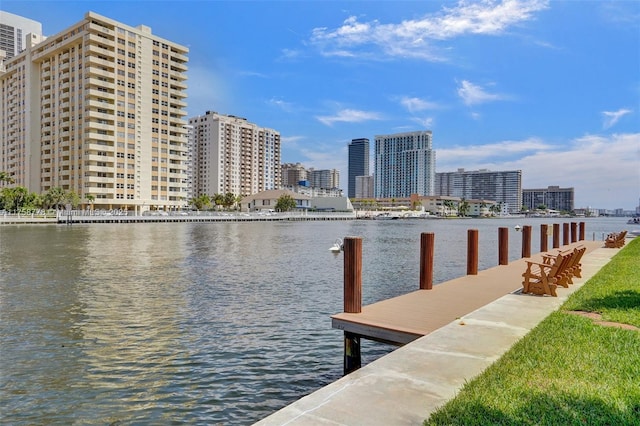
x,y
569,370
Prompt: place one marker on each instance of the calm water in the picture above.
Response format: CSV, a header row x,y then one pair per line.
x,y
219,323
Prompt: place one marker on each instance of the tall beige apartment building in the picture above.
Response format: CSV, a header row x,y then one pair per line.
x,y
98,109
230,154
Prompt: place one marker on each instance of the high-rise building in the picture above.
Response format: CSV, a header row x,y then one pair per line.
x,y
293,174
404,165
231,155
358,163
328,178
98,109
553,197
364,187
14,30
503,187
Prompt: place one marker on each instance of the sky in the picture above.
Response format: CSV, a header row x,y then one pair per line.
x,y
551,88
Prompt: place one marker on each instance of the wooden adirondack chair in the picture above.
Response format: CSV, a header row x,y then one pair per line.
x,y
615,240
541,278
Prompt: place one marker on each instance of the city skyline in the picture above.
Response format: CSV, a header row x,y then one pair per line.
x,y
550,88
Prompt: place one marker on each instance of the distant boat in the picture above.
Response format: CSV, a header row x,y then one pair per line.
x,y
634,221
386,216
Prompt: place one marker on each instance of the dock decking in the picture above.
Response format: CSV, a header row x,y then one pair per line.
x,y
405,318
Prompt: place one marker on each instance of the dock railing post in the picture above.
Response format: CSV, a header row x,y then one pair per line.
x,y
427,240
472,252
574,232
565,234
503,246
526,241
556,235
544,240
582,230
352,299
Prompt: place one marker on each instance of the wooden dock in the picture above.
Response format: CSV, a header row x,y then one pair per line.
x,y
405,318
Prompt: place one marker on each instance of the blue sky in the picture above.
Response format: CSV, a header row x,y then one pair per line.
x,y
550,88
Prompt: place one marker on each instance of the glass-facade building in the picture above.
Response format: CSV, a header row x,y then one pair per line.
x,y
404,165
358,163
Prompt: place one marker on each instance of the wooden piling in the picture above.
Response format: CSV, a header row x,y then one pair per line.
x,y
352,357
353,275
526,241
544,240
503,246
565,234
427,240
472,252
352,299
574,232
556,235
582,231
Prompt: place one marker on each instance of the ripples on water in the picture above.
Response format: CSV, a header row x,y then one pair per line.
x,y
195,323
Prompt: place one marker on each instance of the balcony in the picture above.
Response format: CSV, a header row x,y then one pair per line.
x,y
100,147
99,94
178,58
95,82
94,60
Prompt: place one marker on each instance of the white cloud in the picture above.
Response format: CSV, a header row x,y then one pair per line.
x,y
612,117
283,105
473,94
349,116
603,170
417,104
291,141
417,38
426,122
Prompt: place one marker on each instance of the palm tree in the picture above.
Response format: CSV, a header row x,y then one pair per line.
x,y
90,198
201,202
5,178
54,197
218,199
463,208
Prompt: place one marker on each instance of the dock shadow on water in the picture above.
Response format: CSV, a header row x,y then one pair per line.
x,y
194,323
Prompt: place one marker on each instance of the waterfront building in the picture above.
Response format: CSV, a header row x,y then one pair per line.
x,y
293,174
552,197
98,109
232,155
504,187
404,164
364,187
266,201
358,164
14,31
328,178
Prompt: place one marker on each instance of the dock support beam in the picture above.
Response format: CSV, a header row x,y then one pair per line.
x,y
352,358
503,246
565,234
472,252
574,232
582,230
427,240
544,240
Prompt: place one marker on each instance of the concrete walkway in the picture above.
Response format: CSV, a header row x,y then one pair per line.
x,y
407,385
